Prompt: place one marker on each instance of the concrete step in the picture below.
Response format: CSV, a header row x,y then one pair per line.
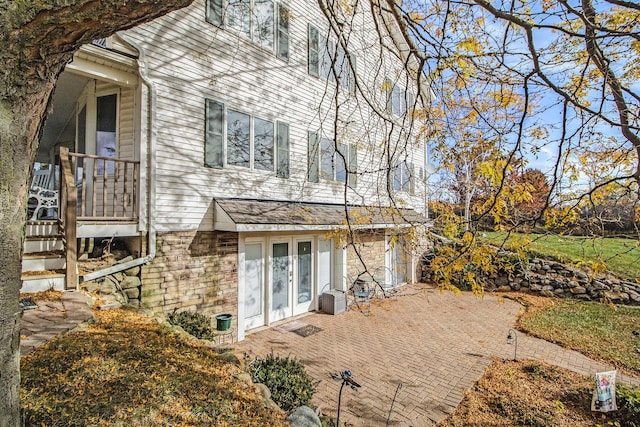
x,y
33,244
43,261
42,228
42,281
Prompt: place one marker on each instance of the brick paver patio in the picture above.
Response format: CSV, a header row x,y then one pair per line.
x,y
52,318
435,344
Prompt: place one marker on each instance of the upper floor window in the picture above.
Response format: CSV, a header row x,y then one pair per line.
x,y
403,177
331,161
325,56
234,138
399,99
264,22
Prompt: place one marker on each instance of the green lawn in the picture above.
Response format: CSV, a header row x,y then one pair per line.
x,y
621,256
594,329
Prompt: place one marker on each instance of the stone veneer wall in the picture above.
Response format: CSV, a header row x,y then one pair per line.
x,y
193,270
371,245
550,278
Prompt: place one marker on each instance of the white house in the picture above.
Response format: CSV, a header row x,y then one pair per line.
x,y
229,144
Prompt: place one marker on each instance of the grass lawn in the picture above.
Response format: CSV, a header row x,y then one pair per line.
x,y
597,330
128,370
622,256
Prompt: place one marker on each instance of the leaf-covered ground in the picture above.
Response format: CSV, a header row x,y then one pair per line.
x,y
128,370
528,393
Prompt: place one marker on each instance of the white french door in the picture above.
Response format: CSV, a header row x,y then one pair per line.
x,y
280,280
254,313
303,289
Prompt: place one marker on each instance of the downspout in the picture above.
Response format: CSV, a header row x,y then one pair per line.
x,y
151,188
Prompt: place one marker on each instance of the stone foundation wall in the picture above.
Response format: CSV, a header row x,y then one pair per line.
x,y
371,245
549,278
193,270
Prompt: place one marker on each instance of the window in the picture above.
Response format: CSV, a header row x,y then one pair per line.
x,y
233,138
321,54
403,179
399,100
331,161
264,22
106,131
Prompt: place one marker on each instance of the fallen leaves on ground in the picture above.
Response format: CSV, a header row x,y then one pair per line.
x,y
528,393
126,369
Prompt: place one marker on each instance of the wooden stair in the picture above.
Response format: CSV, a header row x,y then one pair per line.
x,y
43,260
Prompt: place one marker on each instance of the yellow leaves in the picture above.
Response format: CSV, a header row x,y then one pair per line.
x,y
471,45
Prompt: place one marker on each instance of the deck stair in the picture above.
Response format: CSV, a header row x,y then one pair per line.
x,y
43,260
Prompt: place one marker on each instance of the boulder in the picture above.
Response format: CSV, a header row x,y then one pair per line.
x,y
130,282
304,416
132,293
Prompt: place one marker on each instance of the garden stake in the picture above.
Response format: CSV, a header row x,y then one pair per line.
x,y
345,377
393,401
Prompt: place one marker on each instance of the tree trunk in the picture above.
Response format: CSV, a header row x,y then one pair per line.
x,y
37,39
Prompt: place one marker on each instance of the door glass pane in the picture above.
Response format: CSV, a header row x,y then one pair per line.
x,y
238,139
253,280
304,272
324,266
280,276
263,145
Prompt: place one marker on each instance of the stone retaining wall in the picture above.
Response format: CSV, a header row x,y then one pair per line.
x,y
550,278
118,288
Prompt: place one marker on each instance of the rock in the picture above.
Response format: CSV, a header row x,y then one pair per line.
x,y
110,305
230,357
578,290
600,286
118,276
264,390
572,284
304,417
504,288
134,271
132,293
125,259
558,291
581,276
547,293
244,377
107,287
130,282
502,281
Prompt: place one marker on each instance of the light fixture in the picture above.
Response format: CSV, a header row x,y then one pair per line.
x,y
512,338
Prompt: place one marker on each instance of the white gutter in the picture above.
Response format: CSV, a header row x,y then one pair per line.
x,y
151,177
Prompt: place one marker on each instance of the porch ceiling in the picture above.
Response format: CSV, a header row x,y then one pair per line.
x,y
244,215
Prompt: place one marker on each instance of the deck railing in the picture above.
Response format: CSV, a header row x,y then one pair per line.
x,y
67,206
107,187
94,188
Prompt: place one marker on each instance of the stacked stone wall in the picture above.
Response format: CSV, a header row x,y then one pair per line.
x,y
371,246
195,271
554,279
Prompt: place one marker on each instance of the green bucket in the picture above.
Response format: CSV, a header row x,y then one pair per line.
x,y
223,321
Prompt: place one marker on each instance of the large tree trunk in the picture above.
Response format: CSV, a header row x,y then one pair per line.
x,y
37,39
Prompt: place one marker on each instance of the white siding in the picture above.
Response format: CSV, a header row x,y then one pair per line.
x,y
190,60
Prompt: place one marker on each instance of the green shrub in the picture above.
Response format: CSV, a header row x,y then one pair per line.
x,y
628,399
286,378
193,323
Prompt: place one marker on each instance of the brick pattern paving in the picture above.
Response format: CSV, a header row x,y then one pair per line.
x,y
52,318
435,344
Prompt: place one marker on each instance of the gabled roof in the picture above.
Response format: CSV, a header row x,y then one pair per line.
x,y
243,215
